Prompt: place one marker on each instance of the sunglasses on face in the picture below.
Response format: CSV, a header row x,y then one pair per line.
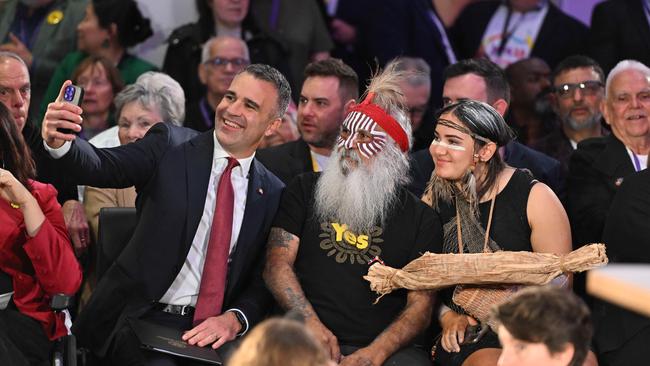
x,y
223,62
590,87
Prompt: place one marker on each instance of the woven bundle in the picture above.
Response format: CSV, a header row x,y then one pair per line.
x,y
436,271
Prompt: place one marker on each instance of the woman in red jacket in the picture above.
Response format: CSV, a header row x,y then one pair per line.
x,y
36,257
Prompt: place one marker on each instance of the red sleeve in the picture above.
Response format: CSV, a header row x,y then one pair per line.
x,y
50,251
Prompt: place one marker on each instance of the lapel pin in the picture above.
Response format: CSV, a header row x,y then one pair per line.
x,y
260,191
618,182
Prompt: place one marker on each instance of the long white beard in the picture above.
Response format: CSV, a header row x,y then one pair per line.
x,y
359,195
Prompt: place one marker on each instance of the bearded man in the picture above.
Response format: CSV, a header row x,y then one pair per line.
x,y
330,225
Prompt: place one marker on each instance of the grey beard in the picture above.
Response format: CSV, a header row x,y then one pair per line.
x,y
577,126
359,195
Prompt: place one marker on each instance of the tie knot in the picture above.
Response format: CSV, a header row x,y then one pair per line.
x,y
232,162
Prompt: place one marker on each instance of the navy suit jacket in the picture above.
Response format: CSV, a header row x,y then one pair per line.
x,y
170,168
405,28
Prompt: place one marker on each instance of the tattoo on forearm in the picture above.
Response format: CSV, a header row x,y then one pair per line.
x,y
298,302
279,238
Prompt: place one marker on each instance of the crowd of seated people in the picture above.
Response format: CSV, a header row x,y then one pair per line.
x,y
267,174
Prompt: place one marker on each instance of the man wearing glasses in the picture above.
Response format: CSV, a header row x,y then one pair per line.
x,y
221,59
600,165
578,84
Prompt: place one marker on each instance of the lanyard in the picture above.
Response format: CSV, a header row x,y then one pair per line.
x,y
206,114
637,163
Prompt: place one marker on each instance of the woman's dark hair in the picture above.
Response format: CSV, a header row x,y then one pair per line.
x,y
132,27
206,20
14,153
112,73
484,121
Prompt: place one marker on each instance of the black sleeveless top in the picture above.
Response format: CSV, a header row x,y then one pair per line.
x,y
510,228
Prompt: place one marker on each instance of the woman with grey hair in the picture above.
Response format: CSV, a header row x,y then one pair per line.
x,y
485,206
155,97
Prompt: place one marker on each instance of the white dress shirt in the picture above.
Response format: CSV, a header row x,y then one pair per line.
x,y
184,290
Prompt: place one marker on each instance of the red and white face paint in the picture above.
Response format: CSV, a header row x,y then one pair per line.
x,y
363,132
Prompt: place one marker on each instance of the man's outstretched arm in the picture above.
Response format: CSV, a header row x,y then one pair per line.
x,y
281,280
412,321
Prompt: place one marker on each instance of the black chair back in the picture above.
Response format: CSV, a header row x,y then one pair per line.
x,y
116,226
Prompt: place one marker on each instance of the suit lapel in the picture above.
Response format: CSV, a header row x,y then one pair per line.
x,y
614,161
253,219
198,163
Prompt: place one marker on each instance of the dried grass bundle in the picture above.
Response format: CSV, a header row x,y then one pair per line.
x,y
436,271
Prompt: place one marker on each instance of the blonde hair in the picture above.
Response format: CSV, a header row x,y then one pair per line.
x,y
279,342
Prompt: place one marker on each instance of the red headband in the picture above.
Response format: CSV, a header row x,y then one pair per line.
x,y
384,120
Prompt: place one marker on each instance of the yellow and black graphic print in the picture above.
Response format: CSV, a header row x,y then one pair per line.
x,y
347,246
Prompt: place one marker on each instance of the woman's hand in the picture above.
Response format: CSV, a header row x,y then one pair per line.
x,y
19,197
453,330
12,191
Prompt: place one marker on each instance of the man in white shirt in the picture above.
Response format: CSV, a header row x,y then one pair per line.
x,y
160,273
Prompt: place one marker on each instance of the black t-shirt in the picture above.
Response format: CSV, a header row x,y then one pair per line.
x,y
332,261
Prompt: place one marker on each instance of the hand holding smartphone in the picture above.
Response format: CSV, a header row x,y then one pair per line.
x,y
74,95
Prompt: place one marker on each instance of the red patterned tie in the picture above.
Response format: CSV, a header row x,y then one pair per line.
x,y
215,268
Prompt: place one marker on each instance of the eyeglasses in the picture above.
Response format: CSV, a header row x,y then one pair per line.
x,y
223,62
589,88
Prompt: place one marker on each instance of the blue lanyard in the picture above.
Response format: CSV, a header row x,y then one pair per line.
x,y
637,163
209,122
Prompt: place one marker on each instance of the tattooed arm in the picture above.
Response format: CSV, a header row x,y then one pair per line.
x,y
280,278
412,321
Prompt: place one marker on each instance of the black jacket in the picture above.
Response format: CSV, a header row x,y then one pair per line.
x,y
596,170
288,160
619,31
627,236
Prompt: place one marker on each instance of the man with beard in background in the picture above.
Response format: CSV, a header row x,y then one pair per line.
x,y
330,225
578,91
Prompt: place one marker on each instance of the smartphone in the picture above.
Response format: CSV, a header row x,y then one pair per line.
x,y
474,333
72,94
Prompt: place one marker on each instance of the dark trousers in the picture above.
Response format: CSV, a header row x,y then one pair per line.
x,y
126,351
409,356
22,340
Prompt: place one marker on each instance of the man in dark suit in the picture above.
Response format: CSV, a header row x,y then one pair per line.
x,y
329,91
482,80
558,36
599,165
411,28
160,274
622,336
578,91
619,31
